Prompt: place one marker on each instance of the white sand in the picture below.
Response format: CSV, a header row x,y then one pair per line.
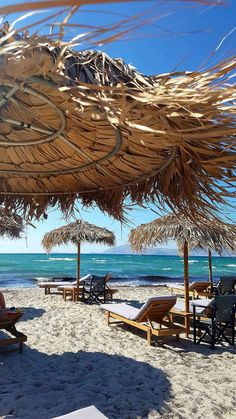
x,y
73,359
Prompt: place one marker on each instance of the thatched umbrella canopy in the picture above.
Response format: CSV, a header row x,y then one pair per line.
x,y
84,125
203,234
11,224
77,232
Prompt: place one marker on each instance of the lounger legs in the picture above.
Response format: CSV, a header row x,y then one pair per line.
x,y
108,318
149,336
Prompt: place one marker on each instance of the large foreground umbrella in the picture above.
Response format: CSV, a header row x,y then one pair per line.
x,y
11,224
205,234
84,125
77,232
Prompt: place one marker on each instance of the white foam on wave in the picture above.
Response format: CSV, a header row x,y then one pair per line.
x,y
62,259
232,265
42,278
166,269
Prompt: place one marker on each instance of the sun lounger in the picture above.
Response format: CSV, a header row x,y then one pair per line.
x,y
61,286
196,289
8,319
48,286
90,412
155,310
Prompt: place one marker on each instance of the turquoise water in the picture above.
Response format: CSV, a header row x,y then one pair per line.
x,y
25,270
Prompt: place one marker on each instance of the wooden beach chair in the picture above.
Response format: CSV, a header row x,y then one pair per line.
x,y
155,310
196,289
8,319
109,292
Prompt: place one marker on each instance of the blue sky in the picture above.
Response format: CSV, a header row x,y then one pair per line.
x,y
183,38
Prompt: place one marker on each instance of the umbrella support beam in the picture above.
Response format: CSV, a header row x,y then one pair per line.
x,y
78,265
186,288
210,267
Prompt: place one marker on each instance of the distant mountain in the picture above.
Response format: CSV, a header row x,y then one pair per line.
x,y
126,250
159,251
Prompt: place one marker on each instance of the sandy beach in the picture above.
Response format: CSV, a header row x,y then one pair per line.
x,y
73,359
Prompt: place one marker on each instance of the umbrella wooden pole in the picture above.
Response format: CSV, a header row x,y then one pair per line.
x,y
78,264
210,267
186,286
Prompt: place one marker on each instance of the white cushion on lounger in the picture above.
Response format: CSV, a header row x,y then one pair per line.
x,y
180,305
83,278
90,412
122,309
130,312
57,284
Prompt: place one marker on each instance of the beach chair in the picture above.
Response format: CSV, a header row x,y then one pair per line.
x,y
196,289
217,321
109,292
95,289
90,412
155,310
178,312
8,319
227,285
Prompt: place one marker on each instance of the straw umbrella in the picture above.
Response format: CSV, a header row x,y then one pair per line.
x,y
205,234
83,125
77,232
11,224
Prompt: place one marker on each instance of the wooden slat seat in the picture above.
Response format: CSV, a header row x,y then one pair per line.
x,y
155,310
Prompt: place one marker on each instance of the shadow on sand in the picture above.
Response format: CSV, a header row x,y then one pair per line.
x,y
31,313
53,385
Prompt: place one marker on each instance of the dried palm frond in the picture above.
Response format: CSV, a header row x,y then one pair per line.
x,y
77,232
83,125
11,224
204,234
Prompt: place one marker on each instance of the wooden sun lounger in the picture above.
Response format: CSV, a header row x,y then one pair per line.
x,y
155,310
7,323
196,289
48,286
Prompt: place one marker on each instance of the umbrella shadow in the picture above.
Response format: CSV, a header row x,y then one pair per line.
x,y
53,385
31,313
188,346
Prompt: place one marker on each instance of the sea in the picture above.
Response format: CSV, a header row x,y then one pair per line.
x,y
27,270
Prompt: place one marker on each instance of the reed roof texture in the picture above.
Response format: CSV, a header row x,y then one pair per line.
x,y
77,232
11,224
84,125
204,234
